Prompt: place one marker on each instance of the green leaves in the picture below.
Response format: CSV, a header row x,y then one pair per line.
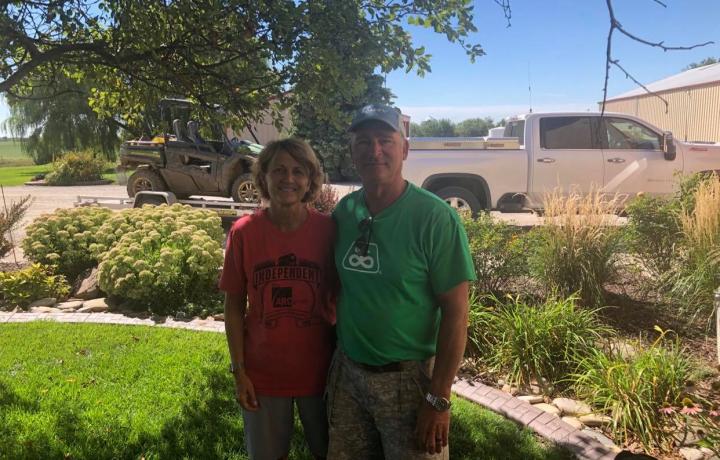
x,y
238,54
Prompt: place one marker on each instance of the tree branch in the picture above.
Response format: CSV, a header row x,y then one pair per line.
x,y
609,61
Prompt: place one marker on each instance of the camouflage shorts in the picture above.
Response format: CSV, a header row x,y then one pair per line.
x,y
373,415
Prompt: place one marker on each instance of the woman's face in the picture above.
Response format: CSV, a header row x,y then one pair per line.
x,y
287,180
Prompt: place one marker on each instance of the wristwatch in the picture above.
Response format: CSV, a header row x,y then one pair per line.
x,y
438,403
236,367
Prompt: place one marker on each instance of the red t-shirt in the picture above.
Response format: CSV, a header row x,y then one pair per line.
x,y
287,277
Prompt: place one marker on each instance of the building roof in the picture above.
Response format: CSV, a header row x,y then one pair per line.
x,y
693,77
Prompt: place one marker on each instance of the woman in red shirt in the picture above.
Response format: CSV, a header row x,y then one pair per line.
x,y
277,279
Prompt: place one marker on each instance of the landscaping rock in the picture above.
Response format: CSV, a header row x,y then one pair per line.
x,y
573,422
94,306
535,390
89,288
602,439
709,454
625,349
44,310
549,408
510,389
46,302
219,317
532,399
70,305
571,407
595,420
689,453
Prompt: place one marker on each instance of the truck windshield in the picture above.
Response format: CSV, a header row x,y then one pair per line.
x,y
516,129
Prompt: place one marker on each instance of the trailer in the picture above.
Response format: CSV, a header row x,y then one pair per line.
x,y
228,210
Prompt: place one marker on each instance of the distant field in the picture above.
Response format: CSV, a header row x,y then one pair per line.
x,y
11,155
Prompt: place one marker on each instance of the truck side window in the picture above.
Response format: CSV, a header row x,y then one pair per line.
x,y
627,134
570,133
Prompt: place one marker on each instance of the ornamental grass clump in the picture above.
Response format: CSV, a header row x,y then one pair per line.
x,y
9,220
161,258
633,390
541,344
691,282
574,251
21,287
64,239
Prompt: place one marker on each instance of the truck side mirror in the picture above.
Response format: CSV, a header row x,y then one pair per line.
x,y
668,146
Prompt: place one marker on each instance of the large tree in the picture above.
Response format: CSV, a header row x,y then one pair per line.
x,y
239,54
50,125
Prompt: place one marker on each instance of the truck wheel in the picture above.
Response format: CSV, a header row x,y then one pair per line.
x,y
244,191
460,198
145,180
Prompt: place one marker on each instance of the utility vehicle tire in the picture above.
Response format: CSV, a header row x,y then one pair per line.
x,y
145,180
244,191
461,199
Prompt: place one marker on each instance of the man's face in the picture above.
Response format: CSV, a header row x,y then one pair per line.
x,y
378,153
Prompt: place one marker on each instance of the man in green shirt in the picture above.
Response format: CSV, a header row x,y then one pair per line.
x,y
404,264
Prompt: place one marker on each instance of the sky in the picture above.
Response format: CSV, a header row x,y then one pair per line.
x,y
554,47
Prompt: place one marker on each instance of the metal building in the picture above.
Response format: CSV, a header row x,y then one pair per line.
x,y
693,109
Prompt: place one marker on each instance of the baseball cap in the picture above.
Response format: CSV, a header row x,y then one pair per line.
x,y
391,116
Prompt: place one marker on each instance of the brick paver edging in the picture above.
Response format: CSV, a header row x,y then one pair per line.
x,y
547,425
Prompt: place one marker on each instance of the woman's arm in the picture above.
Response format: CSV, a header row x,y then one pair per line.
x,y
235,306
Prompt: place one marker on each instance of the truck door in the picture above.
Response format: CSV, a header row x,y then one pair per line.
x,y
634,160
568,156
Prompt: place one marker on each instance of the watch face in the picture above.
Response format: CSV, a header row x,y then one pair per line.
x,y
442,404
439,404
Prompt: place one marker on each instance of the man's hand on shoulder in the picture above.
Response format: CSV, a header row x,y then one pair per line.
x,y
432,429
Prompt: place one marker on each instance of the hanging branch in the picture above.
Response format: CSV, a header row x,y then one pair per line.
x,y
507,11
609,61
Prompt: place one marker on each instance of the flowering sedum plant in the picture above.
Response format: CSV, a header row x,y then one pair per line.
x,y
160,257
63,239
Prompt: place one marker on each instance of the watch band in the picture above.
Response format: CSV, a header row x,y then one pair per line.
x,y
438,403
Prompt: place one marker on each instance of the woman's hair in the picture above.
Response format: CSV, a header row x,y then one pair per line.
x,y
301,152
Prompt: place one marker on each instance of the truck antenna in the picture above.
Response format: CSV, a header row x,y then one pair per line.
x,y
529,87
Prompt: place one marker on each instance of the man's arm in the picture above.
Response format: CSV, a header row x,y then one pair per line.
x,y
235,305
433,426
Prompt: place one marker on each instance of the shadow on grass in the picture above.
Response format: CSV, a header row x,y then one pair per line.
x,y
491,440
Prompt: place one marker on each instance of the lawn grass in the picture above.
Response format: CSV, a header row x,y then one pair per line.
x,y
127,392
18,175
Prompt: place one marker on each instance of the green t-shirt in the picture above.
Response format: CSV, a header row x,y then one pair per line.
x,y
417,249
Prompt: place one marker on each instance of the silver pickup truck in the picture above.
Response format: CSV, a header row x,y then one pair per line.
x,y
615,153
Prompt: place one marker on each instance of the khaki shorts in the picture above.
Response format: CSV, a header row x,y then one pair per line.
x,y
372,415
269,430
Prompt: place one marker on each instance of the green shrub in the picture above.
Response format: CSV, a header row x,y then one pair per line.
x,y
9,219
161,258
574,251
499,252
21,287
542,343
632,390
653,232
64,239
75,166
